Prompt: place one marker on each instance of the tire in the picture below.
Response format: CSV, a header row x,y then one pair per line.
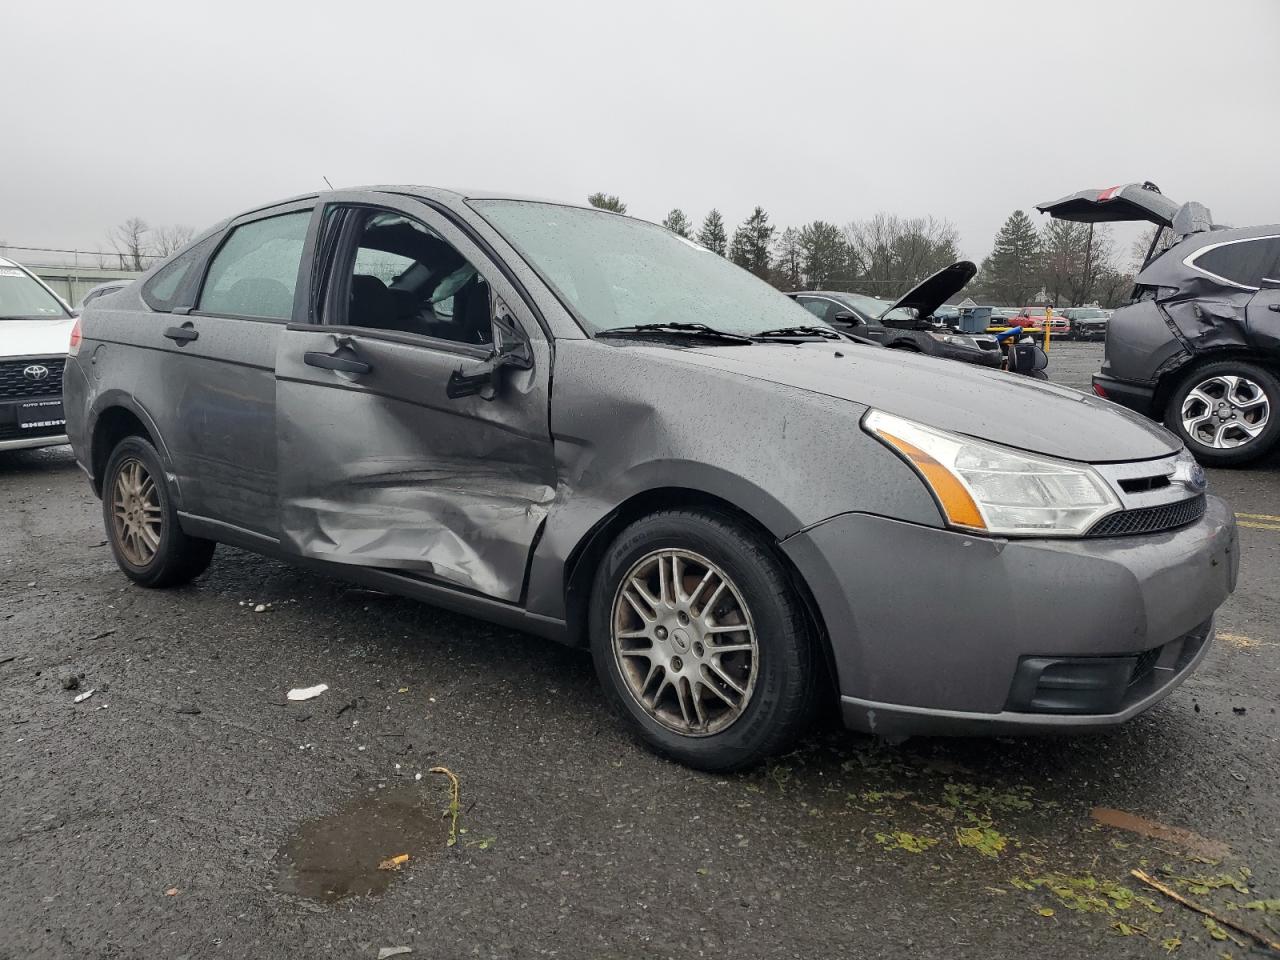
x,y
695,716
160,555
1249,391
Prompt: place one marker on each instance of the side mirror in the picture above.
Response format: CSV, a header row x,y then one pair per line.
x,y
510,349
846,316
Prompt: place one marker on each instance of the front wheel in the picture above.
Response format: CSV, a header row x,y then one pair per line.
x,y
142,524
698,638
1226,412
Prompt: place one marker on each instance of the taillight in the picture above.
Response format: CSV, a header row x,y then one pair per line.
x,y
1097,388
74,347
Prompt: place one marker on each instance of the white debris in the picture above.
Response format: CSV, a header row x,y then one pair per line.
x,y
393,952
80,698
260,608
306,693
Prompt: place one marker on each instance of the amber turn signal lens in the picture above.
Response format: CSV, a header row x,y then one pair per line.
x,y
956,502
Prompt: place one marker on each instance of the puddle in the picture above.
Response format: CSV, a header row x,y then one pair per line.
x,y
1196,844
338,856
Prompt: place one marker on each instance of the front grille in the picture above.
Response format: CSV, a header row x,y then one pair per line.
x,y
15,385
1167,516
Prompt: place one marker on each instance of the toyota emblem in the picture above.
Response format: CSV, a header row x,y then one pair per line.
x,y
36,372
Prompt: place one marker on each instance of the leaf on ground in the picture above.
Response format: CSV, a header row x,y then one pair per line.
x,y
1045,911
901,840
1204,884
1215,929
1267,906
1171,944
984,839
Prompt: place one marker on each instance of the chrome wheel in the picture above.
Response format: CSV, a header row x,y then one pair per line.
x,y
136,513
1225,411
684,642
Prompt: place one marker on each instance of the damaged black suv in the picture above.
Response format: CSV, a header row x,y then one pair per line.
x,y
1198,346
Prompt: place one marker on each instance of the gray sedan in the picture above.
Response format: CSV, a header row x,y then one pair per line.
x,y
581,425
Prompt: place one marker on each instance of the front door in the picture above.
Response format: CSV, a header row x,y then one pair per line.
x,y
379,466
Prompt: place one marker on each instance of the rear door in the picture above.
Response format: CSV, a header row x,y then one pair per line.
x,y
214,390
379,466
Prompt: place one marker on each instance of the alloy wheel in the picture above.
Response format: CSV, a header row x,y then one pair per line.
x,y
1225,411
684,642
136,513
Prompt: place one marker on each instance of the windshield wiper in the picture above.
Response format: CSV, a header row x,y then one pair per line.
x,y
692,330
826,333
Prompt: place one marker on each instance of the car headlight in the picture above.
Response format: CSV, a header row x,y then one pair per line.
x,y
987,488
958,341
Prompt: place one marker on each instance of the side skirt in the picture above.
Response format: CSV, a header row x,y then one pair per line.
x,y
415,588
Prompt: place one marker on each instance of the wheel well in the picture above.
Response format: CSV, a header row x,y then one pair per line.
x,y
114,424
585,560
1171,380
903,345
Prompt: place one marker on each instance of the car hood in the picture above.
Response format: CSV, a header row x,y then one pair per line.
x,y
979,402
932,292
35,338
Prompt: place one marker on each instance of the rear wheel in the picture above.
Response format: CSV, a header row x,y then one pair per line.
x,y
1226,412
699,639
142,524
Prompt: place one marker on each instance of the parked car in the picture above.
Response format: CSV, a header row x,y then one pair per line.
x,y
1198,346
905,324
1086,323
737,509
1034,318
35,330
102,289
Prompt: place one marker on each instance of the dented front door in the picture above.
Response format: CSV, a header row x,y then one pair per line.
x,y
379,467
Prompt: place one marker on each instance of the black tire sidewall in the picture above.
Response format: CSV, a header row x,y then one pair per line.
x,y
782,697
172,540
1235,455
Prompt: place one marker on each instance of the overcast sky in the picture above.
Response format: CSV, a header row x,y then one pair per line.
x,y
182,113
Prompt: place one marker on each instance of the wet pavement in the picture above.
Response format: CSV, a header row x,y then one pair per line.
x,y
188,809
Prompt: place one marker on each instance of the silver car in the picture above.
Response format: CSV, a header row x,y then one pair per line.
x,y
581,425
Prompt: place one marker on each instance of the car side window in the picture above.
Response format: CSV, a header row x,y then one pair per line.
x,y
255,274
407,278
1245,262
168,285
819,308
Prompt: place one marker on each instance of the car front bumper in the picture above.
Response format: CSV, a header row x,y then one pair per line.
x,y
938,632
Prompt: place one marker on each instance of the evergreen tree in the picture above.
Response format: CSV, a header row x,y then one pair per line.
x,y
607,201
751,243
712,235
788,262
826,254
1013,271
678,223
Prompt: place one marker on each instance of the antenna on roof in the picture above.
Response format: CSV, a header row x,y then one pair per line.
x,y
326,180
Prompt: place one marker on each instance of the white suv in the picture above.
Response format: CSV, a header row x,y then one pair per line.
x,y
35,332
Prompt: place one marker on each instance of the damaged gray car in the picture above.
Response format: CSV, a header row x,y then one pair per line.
x,y
1198,345
581,425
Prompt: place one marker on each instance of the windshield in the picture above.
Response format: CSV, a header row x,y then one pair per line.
x,y
23,298
1086,314
613,271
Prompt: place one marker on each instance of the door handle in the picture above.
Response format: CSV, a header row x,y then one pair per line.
x,y
183,334
1274,306
327,361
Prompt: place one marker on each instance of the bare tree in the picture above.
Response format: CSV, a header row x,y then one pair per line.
x,y
895,253
1163,237
167,240
129,242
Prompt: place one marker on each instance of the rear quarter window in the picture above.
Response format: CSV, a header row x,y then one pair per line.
x,y
170,285
255,273
1244,262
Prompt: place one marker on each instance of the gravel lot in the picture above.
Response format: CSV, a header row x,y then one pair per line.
x,y
187,809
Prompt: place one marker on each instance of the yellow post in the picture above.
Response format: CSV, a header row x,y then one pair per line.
x,y
1048,322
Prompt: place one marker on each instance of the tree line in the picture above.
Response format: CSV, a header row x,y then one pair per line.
x,y
887,254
